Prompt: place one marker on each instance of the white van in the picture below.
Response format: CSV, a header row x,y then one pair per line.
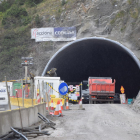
x,y
3,99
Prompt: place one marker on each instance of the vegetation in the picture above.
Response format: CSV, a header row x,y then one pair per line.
x,y
134,13
120,14
17,17
63,2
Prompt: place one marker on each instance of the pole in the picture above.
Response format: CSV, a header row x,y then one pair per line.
x,y
26,72
47,101
32,91
43,91
39,91
22,93
19,111
8,94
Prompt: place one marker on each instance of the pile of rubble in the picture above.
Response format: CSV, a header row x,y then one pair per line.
x,y
24,133
136,103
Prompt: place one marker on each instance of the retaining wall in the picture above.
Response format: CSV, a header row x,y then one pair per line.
x,y
29,116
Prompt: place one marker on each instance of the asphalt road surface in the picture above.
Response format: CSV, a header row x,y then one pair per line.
x,y
96,122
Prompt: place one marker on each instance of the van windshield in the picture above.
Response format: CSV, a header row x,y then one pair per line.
x,y
85,85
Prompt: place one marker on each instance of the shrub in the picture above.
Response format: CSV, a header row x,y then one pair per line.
x,y
63,2
16,11
37,20
16,15
1,15
32,3
20,2
5,5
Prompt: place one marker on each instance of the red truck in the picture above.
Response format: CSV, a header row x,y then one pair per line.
x,y
101,90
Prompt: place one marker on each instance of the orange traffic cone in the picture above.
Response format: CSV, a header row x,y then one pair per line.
x,y
126,102
67,105
46,106
52,108
57,109
38,98
80,104
60,111
61,104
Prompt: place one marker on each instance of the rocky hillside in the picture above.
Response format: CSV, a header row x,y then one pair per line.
x,y
115,19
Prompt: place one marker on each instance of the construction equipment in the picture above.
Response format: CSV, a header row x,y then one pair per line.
x,y
101,90
51,73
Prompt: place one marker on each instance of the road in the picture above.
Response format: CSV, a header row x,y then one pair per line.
x,y
98,122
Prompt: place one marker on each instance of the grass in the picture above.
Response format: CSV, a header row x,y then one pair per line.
x,y
134,13
120,14
123,28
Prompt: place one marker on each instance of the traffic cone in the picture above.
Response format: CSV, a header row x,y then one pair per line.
x,y
67,105
57,109
80,104
52,108
60,111
126,102
46,106
61,104
38,98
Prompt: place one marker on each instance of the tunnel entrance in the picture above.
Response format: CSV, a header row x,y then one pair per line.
x,y
97,57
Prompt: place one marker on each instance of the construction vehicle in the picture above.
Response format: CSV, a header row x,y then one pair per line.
x,y
101,90
3,99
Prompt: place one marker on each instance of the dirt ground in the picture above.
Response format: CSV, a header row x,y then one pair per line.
x,y
98,122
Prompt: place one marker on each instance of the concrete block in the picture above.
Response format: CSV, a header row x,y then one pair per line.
x,y
13,118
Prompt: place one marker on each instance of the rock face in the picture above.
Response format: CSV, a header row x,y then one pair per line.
x,y
115,19
136,104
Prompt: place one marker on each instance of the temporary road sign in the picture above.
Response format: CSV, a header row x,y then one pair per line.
x,y
122,89
122,98
71,87
63,88
77,88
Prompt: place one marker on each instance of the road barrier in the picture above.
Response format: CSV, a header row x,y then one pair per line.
x,y
28,102
55,100
66,96
18,102
27,115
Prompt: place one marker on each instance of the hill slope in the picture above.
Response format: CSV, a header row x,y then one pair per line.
x,y
115,19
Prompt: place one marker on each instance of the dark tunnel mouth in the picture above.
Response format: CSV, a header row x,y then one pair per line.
x,y
113,44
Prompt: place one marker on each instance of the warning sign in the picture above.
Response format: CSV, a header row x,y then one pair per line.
x,y
122,98
71,87
77,88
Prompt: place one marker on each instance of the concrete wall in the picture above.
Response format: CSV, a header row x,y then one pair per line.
x,y
12,118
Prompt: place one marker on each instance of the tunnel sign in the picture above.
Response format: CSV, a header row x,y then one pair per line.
x,y
63,88
122,89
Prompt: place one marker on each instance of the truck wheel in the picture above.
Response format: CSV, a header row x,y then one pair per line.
x,y
6,107
94,102
90,101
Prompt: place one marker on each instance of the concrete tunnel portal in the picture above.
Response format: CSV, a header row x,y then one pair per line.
x,y
97,57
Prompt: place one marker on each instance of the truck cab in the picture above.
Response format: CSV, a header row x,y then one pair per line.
x,y
3,99
85,91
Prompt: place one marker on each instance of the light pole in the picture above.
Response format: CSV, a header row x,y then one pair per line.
x,y
27,62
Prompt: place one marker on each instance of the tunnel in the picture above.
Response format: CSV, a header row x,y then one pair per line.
x,y
97,57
